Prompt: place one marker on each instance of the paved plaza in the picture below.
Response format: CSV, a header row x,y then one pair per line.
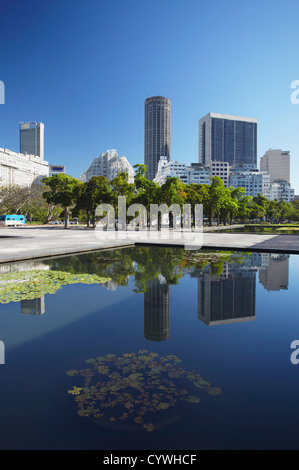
x,y
23,243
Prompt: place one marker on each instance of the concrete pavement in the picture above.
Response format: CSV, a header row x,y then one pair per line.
x,y
23,243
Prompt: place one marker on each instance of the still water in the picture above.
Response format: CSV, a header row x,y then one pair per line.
x,y
150,348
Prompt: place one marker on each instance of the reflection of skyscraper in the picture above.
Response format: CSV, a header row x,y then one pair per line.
x,y
157,310
33,306
275,276
227,298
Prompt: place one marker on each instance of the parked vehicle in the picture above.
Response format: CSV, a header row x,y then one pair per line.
x,y
12,220
55,222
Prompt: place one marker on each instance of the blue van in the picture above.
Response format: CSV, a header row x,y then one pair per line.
x,y
12,220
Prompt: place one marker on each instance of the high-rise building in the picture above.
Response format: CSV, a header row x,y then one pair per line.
x,y
157,124
226,138
277,164
32,138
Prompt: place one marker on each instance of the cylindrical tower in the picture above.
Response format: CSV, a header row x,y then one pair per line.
x,y
157,123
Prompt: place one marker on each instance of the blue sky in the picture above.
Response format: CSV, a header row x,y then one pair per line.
x,y
84,69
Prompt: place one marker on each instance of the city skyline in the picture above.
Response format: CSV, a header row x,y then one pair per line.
x,y
86,111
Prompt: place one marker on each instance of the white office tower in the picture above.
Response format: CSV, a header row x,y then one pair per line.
x,y
21,170
277,164
32,138
195,173
109,164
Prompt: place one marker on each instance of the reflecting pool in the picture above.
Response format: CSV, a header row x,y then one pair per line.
x,y
150,348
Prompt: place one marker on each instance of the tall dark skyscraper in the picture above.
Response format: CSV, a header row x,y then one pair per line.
x,y
225,138
157,123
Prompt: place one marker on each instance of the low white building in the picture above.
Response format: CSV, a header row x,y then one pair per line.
x,y
254,181
21,170
195,173
281,191
108,164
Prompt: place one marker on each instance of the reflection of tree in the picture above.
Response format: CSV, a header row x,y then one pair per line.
x,y
144,263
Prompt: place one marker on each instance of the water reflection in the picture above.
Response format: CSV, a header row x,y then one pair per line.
x,y
274,275
227,298
33,306
157,310
226,281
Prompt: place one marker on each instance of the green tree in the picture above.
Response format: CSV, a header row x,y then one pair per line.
x,y
90,194
217,197
62,191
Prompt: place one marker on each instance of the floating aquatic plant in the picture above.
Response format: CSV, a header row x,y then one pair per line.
x,y
135,388
17,286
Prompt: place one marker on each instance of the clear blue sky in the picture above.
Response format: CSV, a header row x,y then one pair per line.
x,y
85,68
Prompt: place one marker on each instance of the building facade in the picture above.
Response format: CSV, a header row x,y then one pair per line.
x,y
220,169
21,170
251,179
195,173
226,298
226,138
281,191
109,164
157,129
277,164
157,310
56,169
32,138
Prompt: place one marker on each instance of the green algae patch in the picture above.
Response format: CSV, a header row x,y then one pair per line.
x,y
28,285
137,390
